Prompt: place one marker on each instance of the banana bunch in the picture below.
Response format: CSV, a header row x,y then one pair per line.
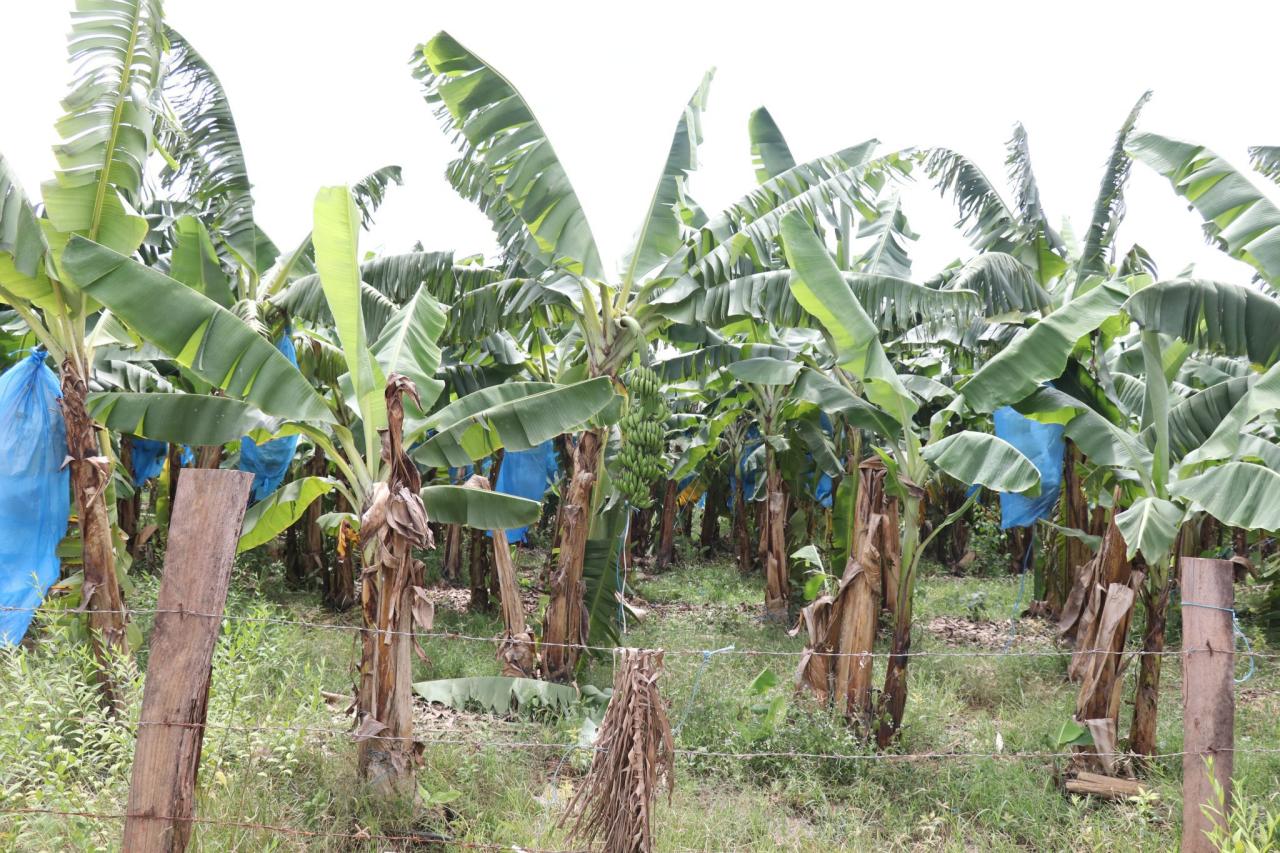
x,y
641,462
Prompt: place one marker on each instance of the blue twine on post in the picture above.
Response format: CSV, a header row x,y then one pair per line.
x,y
1236,632
697,680
1022,585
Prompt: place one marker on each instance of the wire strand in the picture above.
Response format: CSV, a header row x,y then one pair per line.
x,y
745,652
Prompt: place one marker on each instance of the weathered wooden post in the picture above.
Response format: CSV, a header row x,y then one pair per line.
x,y
1208,693
203,535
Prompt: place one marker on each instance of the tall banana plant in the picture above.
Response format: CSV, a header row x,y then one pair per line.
x,y
509,169
1177,452
95,195
862,370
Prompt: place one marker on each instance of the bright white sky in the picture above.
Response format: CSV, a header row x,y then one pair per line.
x,y
322,94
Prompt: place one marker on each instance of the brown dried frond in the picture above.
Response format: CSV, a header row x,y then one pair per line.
x,y
634,756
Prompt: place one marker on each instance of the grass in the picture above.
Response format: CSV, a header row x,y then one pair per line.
x,y
58,751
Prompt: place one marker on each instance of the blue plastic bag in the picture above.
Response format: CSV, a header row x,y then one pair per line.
x,y
269,461
146,459
1044,445
527,474
35,491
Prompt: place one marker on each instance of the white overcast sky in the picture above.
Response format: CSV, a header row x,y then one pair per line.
x,y
322,94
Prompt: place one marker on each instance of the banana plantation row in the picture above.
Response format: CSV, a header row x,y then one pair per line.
x,y
781,359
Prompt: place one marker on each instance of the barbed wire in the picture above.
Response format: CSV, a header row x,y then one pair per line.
x,y
695,752
743,652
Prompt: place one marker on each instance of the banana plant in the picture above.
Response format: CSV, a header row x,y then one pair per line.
x,y
95,195
862,370
509,169
1176,451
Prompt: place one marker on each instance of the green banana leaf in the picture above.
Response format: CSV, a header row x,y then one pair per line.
x,y
519,424
1237,215
269,517
662,234
336,236
508,166
976,458
477,508
1040,353
1150,527
1239,494
194,331
770,154
195,419
408,345
818,285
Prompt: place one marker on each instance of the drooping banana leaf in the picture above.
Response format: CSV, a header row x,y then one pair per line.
x,y
976,458
1240,219
600,576
478,508
194,419
834,398
765,371
1212,315
195,262
20,235
1101,441
1238,494
518,424
1193,420
1262,397
1040,353
194,331
269,517
1003,283
1150,527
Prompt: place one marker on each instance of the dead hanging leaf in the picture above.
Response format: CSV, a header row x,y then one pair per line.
x,y
86,594
368,728
424,609
375,515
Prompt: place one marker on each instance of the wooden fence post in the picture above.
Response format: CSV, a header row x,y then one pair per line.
x,y
203,535
1208,692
